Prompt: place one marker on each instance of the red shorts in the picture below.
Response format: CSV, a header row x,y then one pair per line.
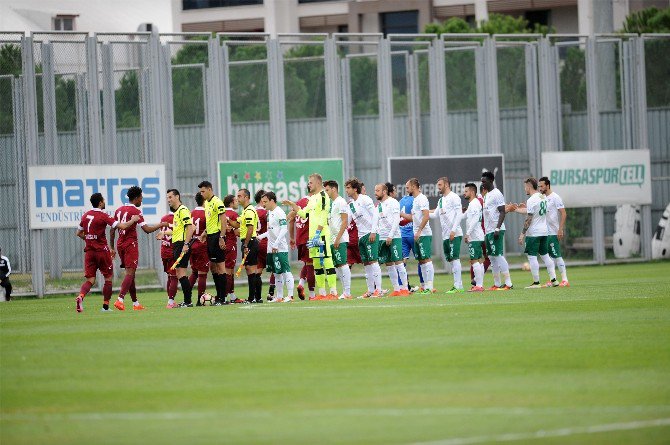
x,y
129,254
167,264
353,254
262,254
303,254
231,256
199,257
95,260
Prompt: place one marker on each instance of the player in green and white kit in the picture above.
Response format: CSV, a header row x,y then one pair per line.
x,y
364,213
449,212
318,209
556,217
534,233
338,221
423,235
494,228
277,250
390,242
474,235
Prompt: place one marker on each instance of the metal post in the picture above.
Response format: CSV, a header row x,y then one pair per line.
x,y
439,125
93,109
213,98
82,118
414,106
491,66
166,118
482,104
597,214
22,217
347,120
276,98
533,107
30,131
333,97
641,141
109,101
385,92
548,94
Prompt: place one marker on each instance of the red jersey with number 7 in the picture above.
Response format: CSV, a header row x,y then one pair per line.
x,y
123,214
94,224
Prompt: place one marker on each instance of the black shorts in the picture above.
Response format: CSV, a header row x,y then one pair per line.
x,y
252,256
176,251
216,253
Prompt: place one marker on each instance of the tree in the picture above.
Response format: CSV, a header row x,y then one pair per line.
x,y
10,64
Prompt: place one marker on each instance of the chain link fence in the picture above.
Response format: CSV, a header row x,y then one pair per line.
x,y
188,100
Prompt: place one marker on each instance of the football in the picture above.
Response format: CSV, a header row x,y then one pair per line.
x,y
206,299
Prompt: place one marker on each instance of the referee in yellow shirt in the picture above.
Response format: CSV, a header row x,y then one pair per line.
x,y
215,225
248,227
182,231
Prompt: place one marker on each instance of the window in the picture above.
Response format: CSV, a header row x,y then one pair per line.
x,y
403,22
539,17
64,22
204,4
343,28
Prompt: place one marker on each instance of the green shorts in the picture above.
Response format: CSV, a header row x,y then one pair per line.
x,y
553,246
452,249
339,254
536,245
392,253
369,251
278,263
495,247
475,250
423,249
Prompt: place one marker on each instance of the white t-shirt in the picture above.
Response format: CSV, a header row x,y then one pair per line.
x,y
418,206
364,213
450,213
473,223
492,201
338,207
277,232
389,219
537,206
554,204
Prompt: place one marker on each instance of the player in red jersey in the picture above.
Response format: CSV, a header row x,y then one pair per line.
x,y
97,255
127,247
165,237
263,243
199,254
353,252
230,202
299,239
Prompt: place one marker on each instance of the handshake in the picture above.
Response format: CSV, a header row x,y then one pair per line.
x,y
512,207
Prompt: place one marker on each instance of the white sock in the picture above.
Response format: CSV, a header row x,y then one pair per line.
x,y
504,270
561,268
136,303
377,276
402,273
368,278
456,269
478,268
279,286
428,274
120,298
170,300
301,282
346,279
495,269
534,268
288,280
393,275
312,294
551,267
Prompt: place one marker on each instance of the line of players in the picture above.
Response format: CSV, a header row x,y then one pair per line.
x,y
330,235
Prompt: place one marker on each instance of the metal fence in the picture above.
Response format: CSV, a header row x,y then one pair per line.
x,y
189,100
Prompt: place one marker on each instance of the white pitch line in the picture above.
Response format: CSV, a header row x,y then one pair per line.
x,y
562,432
355,412
270,306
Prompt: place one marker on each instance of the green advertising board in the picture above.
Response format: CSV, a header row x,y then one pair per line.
x,y
288,179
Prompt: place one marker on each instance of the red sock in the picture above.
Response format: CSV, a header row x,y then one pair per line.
x,y
310,276
172,286
202,284
107,291
133,292
192,278
125,285
487,264
85,288
230,284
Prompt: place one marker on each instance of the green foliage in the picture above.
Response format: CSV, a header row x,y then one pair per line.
x,y
127,99
650,20
10,64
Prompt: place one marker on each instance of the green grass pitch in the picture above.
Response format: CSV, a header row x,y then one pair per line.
x,y
588,364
